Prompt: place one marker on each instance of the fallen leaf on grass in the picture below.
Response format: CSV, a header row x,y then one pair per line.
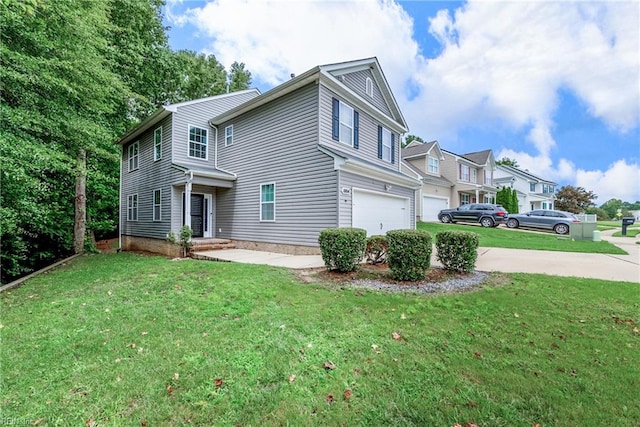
x,y
292,378
330,399
402,316
144,424
396,336
176,376
329,366
169,389
218,382
477,355
91,423
132,345
347,394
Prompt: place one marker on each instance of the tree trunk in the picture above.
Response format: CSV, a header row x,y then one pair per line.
x,y
80,222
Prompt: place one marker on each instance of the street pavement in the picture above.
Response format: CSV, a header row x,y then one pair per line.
x,y
621,268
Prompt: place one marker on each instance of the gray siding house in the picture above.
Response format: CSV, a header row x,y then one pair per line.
x,y
270,171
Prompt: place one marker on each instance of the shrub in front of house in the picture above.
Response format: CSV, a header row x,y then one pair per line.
x,y
457,250
409,253
376,251
342,248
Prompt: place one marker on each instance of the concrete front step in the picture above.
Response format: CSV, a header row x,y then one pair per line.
x,y
201,245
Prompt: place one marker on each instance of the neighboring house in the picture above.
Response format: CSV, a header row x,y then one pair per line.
x,y
425,160
270,170
533,192
450,180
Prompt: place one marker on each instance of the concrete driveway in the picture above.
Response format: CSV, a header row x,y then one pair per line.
x,y
621,268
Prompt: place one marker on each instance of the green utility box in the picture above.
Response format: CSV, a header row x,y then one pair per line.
x,y
582,230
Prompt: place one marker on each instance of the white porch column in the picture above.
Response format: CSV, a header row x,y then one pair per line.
x,y
187,200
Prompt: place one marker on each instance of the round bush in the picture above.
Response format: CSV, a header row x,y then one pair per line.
x,y
409,253
342,248
457,250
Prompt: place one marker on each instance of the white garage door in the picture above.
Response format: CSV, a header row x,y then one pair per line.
x,y
431,206
378,213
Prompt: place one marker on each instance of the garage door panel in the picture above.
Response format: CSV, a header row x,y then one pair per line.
x,y
431,206
378,213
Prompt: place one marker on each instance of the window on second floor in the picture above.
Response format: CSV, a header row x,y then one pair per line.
x,y
546,188
532,187
157,144
228,136
134,154
474,176
386,145
197,142
464,173
433,165
345,123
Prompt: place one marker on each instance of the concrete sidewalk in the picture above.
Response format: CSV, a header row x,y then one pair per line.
x,y
623,268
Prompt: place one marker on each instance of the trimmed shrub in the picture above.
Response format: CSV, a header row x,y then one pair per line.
x,y
409,253
457,250
342,248
376,251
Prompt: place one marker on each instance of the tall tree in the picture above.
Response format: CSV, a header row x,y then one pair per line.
x,y
574,199
410,138
508,162
239,77
58,95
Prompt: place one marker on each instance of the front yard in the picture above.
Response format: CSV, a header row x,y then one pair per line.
x,y
126,339
516,239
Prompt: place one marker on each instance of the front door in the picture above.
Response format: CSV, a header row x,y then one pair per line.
x,y
197,214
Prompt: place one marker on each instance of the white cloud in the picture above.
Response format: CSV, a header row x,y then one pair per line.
x,y
502,64
275,38
620,181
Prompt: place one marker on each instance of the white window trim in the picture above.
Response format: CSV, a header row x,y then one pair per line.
x,y
130,207
340,123
274,202
159,205
135,158
468,174
228,137
206,152
157,143
368,87
436,165
386,144
473,175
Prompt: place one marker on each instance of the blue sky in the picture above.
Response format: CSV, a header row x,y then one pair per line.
x,y
554,85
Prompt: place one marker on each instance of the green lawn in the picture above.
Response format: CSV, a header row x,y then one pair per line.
x,y
515,239
126,339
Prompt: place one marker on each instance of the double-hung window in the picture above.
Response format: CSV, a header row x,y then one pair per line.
x,y
157,205
345,123
197,142
465,199
132,207
268,202
386,145
228,136
157,144
474,175
434,165
464,173
134,153
532,187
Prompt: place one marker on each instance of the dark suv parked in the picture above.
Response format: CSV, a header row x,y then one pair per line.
x,y
486,214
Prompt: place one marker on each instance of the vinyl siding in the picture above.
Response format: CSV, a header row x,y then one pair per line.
x,y
357,82
351,181
277,143
198,114
368,134
151,175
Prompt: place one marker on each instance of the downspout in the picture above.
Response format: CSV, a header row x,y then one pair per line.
x,y
215,152
120,202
